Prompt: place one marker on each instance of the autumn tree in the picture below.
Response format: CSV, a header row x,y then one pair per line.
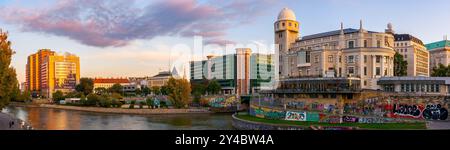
x,y
9,86
86,86
179,92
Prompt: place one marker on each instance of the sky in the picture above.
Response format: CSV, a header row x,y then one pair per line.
x,y
136,38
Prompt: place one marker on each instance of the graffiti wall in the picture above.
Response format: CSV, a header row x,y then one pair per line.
x,y
267,113
221,102
295,116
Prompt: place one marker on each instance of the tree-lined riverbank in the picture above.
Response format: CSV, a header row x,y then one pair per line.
x,y
119,110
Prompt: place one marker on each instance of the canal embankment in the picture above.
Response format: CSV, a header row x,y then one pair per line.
x,y
136,111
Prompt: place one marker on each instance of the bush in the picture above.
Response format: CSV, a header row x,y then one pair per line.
x,y
204,102
149,102
92,100
132,104
116,103
105,102
163,104
141,104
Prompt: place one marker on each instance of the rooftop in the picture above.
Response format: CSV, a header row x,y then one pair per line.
x,y
440,44
111,80
332,33
407,37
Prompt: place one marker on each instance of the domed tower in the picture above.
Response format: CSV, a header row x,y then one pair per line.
x,y
286,32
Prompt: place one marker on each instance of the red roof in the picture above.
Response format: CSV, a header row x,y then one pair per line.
x,y
111,80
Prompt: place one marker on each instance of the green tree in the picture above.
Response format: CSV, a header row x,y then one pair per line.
x,y
146,90
165,90
86,86
116,96
214,87
179,93
149,102
138,91
101,90
116,88
400,65
57,96
156,90
441,71
92,100
8,78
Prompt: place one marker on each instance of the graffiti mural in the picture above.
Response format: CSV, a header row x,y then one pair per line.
x,y
407,111
435,112
350,119
295,116
329,119
267,113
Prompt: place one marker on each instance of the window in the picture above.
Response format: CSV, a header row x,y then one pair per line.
x,y
365,43
340,71
290,24
351,70
330,58
406,56
401,44
406,44
308,55
378,59
406,50
402,88
378,71
340,59
365,58
378,43
351,44
316,59
283,24
351,59
365,71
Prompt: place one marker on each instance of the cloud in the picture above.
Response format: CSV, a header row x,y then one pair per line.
x,y
106,23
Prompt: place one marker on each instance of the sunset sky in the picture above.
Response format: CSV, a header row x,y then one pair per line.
x,y
132,38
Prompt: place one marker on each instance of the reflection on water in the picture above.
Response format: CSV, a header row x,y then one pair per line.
x,y
56,119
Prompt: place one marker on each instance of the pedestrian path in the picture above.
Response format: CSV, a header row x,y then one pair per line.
x,y
7,122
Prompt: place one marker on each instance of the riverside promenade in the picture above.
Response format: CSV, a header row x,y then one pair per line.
x,y
8,122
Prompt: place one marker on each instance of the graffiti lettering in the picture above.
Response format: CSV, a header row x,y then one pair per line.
x,y
435,112
296,116
413,111
349,119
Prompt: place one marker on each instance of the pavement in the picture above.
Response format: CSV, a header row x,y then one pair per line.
x,y
8,122
438,125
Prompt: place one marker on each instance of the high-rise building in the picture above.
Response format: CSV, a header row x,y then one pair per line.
x,y
439,53
33,69
48,72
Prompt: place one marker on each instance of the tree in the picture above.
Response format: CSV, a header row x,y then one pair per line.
x,y
8,78
165,90
116,96
145,90
400,65
86,86
441,71
101,90
116,88
138,91
92,100
179,92
57,96
214,87
156,90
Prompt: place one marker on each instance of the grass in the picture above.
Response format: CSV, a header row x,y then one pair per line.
x,y
381,126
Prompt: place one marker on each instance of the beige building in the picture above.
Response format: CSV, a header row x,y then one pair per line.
x,y
159,80
346,53
109,82
414,52
439,53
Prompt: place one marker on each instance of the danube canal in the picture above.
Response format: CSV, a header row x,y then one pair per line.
x,y
58,119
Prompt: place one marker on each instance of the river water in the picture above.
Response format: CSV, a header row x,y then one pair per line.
x,y
57,119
